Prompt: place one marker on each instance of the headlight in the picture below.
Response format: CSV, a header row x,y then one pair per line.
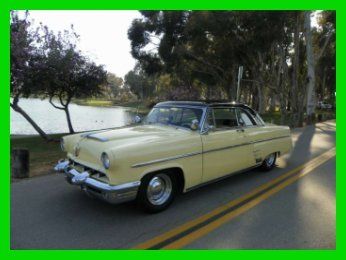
x,y
62,144
105,160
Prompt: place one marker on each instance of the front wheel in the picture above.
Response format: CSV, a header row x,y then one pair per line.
x,y
157,192
269,162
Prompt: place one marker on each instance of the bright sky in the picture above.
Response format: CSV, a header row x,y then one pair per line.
x,y
103,34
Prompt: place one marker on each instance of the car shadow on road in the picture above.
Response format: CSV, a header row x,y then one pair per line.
x,y
295,217
302,147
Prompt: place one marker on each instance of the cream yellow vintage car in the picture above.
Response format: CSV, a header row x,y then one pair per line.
x,y
178,147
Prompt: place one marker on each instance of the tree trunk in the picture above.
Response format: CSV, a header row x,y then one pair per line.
x,y
64,106
311,92
261,99
294,97
323,85
18,109
272,102
68,117
283,110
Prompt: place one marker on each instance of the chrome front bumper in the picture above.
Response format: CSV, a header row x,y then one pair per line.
x,y
111,193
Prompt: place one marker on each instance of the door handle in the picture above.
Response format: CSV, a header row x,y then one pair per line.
x,y
240,130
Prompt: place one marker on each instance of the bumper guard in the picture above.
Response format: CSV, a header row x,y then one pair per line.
x,y
111,193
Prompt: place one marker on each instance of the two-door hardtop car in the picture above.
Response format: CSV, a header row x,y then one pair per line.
x,y
178,147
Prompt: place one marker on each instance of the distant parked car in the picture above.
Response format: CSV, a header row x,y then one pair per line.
x,y
324,105
180,146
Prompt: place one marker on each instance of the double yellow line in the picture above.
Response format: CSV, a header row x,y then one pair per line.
x,y
194,229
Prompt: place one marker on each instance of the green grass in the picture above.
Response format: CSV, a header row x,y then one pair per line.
x,y
272,117
275,117
94,102
143,108
133,105
43,154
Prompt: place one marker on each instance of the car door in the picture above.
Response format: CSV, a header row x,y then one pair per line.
x,y
257,134
226,148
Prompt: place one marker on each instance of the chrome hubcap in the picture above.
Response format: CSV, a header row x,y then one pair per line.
x,y
270,160
159,189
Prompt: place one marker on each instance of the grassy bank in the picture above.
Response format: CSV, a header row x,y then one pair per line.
x,y
275,117
133,106
94,102
43,155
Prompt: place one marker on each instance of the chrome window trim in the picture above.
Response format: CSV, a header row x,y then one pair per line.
x,y
202,130
206,108
228,128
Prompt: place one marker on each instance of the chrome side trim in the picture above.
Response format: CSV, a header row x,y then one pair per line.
x,y
137,165
270,139
165,159
225,148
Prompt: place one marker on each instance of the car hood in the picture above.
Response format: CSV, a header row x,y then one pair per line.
x,y
145,133
90,145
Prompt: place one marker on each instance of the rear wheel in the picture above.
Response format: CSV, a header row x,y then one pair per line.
x,y
269,162
157,192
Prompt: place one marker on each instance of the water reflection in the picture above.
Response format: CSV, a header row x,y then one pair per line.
x,y
53,120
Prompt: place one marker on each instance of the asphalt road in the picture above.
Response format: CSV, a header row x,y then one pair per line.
x,y
47,213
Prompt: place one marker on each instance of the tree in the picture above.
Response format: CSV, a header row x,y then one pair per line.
x,y
311,78
141,84
207,47
112,87
203,49
49,65
66,73
313,58
25,61
324,45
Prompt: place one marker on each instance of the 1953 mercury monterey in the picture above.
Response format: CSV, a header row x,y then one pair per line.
x,y
178,147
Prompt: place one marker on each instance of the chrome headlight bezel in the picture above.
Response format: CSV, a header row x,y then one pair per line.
x,y
105,160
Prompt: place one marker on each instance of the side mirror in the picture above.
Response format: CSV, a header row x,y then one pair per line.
x,y
194,124
137,119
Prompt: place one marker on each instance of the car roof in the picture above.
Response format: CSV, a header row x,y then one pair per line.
x,y
201,103
208,103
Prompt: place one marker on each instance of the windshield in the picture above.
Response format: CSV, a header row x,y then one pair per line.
x,y
175,116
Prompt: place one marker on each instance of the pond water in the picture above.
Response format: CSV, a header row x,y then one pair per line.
x,y
53,120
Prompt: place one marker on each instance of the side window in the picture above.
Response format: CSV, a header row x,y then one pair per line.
x,y
245,119
225,118
175,116
189,115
